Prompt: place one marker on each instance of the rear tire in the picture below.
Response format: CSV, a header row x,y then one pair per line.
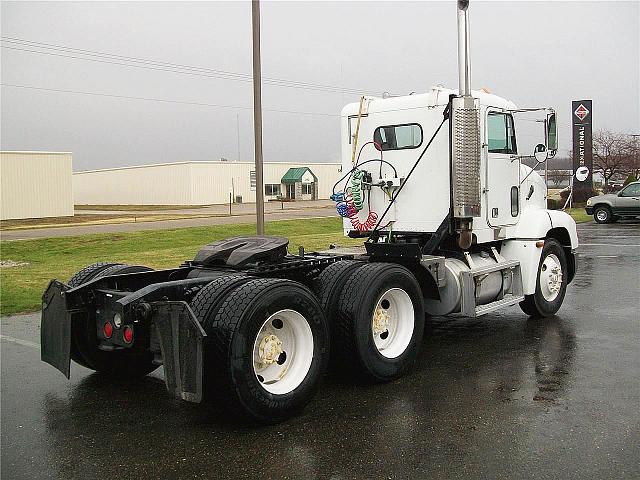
x,y
83,276
328,286
551,282
380,322
602,214
266,349
84,339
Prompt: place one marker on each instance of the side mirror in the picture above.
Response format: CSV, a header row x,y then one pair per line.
x,y
552,134
540,153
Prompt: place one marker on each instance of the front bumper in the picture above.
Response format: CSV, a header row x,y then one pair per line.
x,y
180,336
589,210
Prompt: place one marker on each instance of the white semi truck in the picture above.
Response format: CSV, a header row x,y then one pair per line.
x,y
454,224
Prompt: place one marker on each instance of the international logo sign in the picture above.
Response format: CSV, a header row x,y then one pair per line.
x,y
581,112
582,174
582,149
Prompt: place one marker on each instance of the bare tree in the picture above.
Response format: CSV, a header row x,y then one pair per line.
x,y
612,154
633,160
557,176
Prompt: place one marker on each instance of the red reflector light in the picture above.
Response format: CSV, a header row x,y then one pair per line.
x,y
127,334
107,330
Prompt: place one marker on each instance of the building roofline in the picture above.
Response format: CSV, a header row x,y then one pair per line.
x,y
206,162
35,152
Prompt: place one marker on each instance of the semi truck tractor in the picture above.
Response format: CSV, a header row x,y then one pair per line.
x,y
452,223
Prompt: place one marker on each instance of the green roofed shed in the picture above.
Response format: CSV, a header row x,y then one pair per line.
x,y
295,174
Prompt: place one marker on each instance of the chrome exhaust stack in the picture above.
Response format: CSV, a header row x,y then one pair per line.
x,y
464,60
465,139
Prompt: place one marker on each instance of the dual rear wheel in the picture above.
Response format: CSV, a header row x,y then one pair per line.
x,y
376,314
267,342
266,348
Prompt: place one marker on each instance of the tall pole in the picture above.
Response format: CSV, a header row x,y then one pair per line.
x,y
238,134
257,115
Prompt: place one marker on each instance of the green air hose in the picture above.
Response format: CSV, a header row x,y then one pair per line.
x,y
356,189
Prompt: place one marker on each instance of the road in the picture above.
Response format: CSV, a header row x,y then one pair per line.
x,y
287,214
497,397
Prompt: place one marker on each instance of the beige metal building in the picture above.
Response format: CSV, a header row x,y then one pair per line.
x,y
202,183
35,185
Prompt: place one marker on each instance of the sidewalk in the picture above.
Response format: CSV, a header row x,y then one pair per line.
x,y
210,210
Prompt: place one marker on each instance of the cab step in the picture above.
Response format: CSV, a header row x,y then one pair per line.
x,y
510,296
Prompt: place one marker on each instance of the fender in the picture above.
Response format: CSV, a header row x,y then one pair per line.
x,y
560,219
536,224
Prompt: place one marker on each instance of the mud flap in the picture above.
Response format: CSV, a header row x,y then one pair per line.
x,y
181,339
55,328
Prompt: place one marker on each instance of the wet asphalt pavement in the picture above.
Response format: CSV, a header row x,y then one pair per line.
x,y
501,396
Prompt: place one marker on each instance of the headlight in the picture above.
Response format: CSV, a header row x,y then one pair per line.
x,y
588,202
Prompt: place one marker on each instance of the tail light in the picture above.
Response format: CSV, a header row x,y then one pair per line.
x,y
127,334
107,330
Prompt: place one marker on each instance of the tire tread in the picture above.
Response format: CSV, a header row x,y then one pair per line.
x,y
346,350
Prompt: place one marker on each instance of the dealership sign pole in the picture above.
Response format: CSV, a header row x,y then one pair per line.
x,y
582,150
257,116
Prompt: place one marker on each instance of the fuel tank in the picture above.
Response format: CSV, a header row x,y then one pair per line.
x,y
487,288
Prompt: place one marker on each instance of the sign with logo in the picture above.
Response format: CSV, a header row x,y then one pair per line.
x,y
582,174
582,149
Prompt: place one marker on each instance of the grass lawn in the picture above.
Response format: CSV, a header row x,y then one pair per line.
x,y
579,214
21,287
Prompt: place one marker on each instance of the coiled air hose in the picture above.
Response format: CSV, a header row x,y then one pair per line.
x,y
346,206
368,224
356,189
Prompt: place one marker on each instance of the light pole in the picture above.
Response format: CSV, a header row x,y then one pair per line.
x,y
238,135
257,116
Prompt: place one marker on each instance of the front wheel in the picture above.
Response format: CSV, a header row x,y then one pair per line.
x,y
551,284
602,215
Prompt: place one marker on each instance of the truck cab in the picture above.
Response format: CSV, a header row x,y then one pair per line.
x,y
398,159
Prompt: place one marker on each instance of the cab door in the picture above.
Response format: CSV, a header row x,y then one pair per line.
x,y
503,170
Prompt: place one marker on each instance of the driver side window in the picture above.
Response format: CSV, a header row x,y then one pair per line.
x,y
501,134
631,191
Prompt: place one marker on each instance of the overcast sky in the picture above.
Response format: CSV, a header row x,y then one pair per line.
x,y
534,53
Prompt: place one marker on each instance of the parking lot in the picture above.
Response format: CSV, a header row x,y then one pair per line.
x,y
500,396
